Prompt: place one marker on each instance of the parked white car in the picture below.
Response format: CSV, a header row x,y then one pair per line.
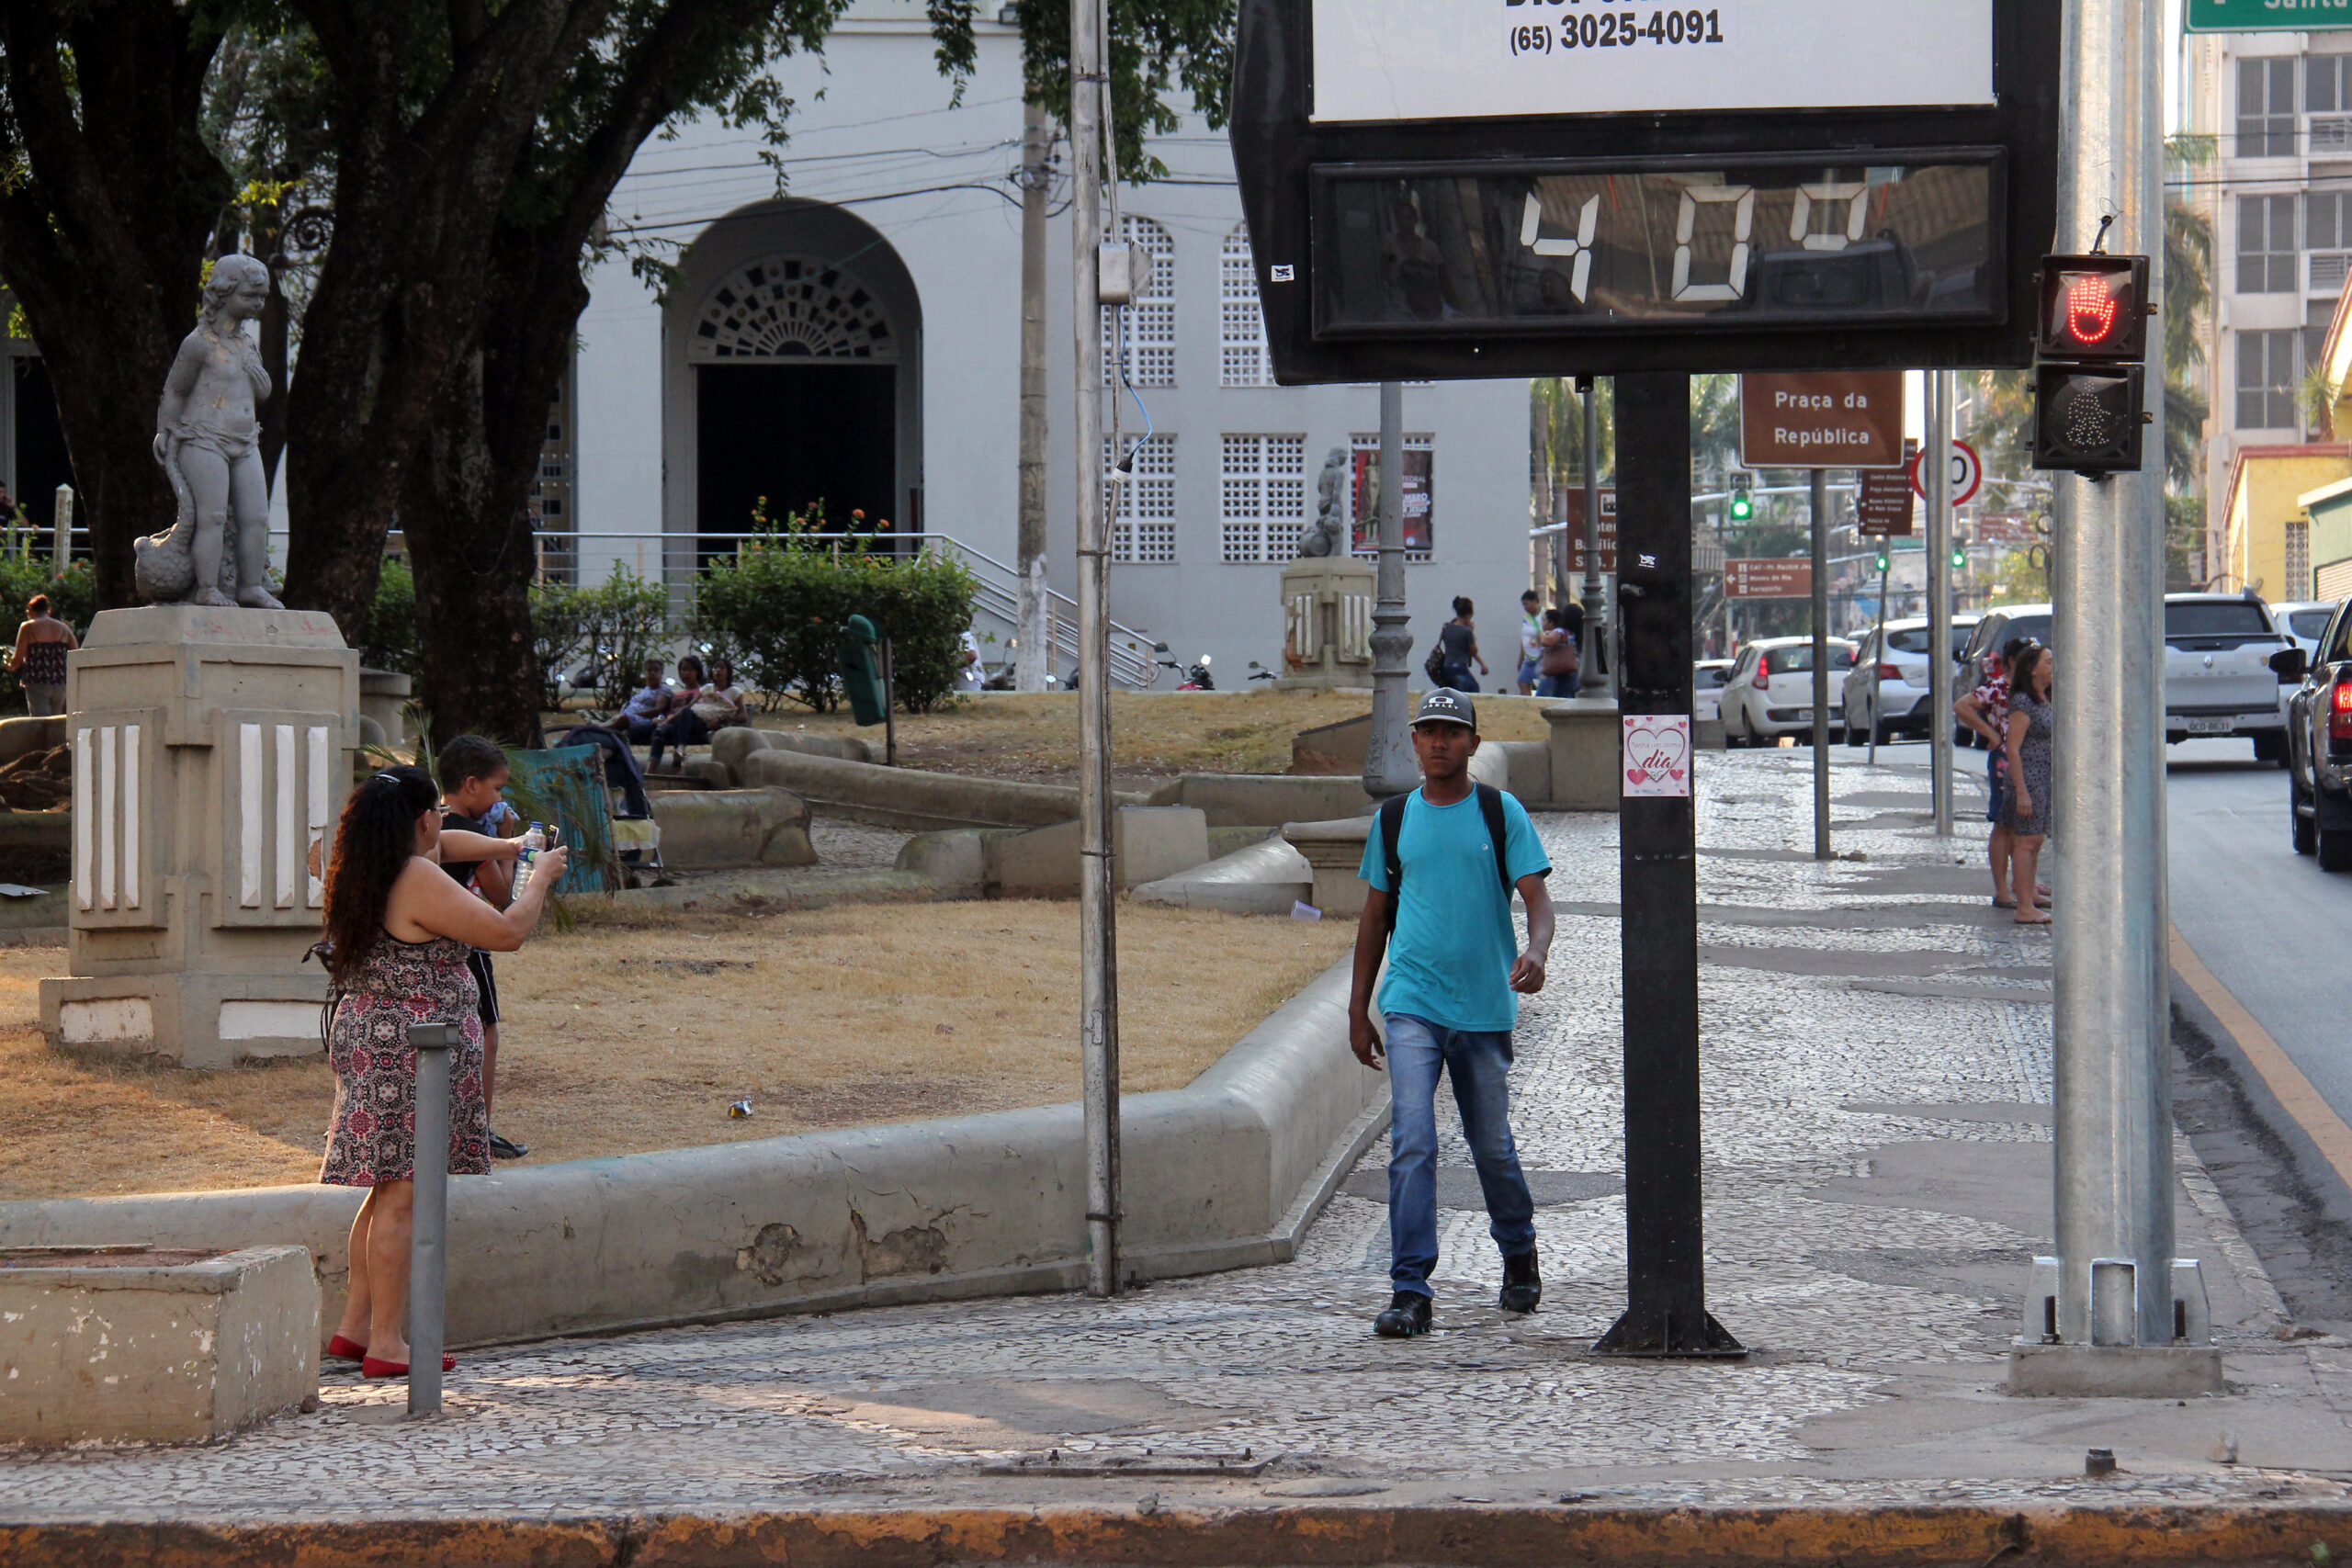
x,y
2218,675
2304,620
1769,691
1707,678
1902,672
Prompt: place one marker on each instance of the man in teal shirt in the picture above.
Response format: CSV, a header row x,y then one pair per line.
x,y
1450,1000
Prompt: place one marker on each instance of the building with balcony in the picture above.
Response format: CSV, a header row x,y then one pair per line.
x,y
2276,109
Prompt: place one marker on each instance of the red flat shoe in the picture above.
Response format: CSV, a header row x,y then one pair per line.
x,y
343,1349
372,1367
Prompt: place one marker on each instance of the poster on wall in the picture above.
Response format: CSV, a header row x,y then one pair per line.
x,y
1420,517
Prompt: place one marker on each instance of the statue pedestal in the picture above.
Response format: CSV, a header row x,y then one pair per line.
x,y
1327,623
211,749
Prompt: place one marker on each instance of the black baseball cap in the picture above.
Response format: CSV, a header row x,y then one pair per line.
x,y
1446,705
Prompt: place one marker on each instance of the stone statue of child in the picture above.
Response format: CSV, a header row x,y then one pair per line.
x,y
1328,536
208,433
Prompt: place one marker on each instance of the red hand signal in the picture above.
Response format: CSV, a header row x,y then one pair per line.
x,y
2090,310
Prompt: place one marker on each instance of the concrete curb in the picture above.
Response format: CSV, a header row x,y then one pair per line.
x,y
911,798
1225,1173
751,892
1310,1536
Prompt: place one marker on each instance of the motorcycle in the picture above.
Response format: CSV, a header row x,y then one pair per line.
x,y
1196,676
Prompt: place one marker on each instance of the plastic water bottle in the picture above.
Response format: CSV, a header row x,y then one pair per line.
x,y
534,840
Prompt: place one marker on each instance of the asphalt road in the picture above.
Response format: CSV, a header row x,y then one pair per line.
x,y
2270,925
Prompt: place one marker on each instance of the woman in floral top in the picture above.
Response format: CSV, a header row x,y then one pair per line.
x,y
399,933
1985,710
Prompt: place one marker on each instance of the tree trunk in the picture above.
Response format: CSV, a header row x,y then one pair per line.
x,y
103,234
1035,613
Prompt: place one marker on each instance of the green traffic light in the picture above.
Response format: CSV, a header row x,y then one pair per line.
x,y
1959,559
1742,508
1882,562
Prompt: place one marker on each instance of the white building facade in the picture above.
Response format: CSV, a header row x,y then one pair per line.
x,y
859,341
2277,193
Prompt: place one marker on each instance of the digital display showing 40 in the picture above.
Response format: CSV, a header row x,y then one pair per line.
x,y
1590,245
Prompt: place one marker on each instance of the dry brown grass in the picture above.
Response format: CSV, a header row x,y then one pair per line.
x,y
1154,735
623,1038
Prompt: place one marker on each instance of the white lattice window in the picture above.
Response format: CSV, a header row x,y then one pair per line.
x,y
1143,523
1241,325
2299,559
1262,497
787,308
1149,331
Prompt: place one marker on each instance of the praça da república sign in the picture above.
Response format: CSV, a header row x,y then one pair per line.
x,y
1479,187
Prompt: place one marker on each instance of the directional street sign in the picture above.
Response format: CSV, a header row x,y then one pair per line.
x,y
1608,531
1767,577
2267,16
1883,509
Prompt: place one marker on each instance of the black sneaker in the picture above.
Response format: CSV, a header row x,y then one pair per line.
x,y
1407,1314
506,1149
1522,1284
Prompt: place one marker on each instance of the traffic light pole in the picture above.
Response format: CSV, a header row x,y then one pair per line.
x,y
1657,861
2117,1312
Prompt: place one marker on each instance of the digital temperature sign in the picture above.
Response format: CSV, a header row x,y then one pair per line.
x,y
1616,247
1473,188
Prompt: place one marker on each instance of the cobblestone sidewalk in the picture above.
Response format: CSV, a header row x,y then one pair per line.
x,y
1877,1076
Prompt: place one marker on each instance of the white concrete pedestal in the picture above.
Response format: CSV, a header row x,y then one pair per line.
x,y
211,749
1327,623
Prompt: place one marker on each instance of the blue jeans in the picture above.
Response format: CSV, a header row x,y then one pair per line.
x,y
1479,1066
1458,676
1559,686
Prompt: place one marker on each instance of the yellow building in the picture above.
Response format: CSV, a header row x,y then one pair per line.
x,y
2267,530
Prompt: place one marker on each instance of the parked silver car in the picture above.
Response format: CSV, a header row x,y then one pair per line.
x,y
2303,620
1770,693
2217,676
1900,679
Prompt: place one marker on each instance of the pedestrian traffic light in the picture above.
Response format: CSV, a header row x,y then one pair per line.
x,y
1742,508
2089,338
2094,309
2088,418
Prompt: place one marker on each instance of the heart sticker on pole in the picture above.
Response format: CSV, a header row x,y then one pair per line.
x,y
1657,755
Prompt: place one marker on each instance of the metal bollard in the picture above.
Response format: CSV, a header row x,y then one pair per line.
x,y
428,1255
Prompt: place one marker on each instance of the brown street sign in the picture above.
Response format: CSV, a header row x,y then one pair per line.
x,y
1767,577
1883,509
1821,419
1607,530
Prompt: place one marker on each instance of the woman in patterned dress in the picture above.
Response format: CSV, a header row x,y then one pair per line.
x,y
399,932
2030,727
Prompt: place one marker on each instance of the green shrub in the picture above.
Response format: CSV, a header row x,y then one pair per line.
x,y
624,623
391,641
73,599
777,612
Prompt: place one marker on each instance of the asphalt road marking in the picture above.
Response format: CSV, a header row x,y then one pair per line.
x,y
2294,1092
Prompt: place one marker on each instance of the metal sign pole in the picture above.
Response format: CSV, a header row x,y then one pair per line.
x,y
1937,467
1820,663
1098,992
428,1250
1666,1294
1879,663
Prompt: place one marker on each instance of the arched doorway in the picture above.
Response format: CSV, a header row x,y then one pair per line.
x,y
795,354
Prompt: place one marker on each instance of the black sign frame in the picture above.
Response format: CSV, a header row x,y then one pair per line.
x,y
1277,147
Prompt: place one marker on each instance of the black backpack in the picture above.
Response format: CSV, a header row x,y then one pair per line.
x,y
1392,826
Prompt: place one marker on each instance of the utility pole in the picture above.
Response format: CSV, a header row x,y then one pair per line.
x,y
1098,966
1820,499
2116,1311
1034,656
1388,764
1936,464
1596,673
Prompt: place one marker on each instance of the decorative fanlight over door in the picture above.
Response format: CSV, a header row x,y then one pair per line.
x,y
791,307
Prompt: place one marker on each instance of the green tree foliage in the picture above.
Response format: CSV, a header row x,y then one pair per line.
x,y
1157,46
614,627
778,611
390,640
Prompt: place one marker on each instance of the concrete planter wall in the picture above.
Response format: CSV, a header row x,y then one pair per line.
x,y
909,798
1225,1172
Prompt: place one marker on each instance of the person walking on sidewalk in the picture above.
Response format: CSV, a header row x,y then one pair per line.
x,y
1457,649
1531,641
1985,710
39,657
1442,861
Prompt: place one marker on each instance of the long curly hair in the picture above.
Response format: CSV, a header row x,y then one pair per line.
x,y
372,844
